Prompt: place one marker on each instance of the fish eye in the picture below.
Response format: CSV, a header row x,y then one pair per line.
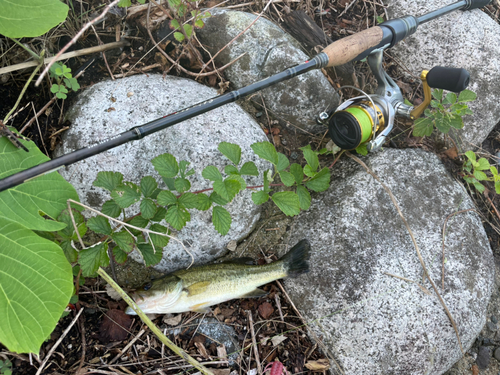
x,y
147,286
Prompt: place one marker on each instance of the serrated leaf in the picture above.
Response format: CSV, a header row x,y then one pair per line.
x,y
126,194
311,157
480,176
204,202
231,169
182,185
479,187
497,187
457,122
151,256
423,127
243,184
483,164
230,151
174,24
166,198
283,162
321,181
69,251
30,18
36,283
470,155
188,29
170,182
124,240
65,218
308,171
298,173
362,149
189,200
159,241
221,220
148,208
91,258
179,36
216,198
467,96
110,208
227,189
160,214
266,151
443,125
437,94
166,165
46,194
494,171
249,169
304,197
177,217
450,98
138,221
119,255
211,173
148,186
260,197
287,178
99,224
287,201
108,180
199,23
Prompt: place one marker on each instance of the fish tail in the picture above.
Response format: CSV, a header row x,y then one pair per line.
x,y
295,261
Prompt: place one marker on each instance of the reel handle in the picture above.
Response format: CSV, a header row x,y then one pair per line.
x,y
451,79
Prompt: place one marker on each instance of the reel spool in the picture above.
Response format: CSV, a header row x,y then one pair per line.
x,y
368,119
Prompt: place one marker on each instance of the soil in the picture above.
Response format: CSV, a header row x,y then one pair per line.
x,y
94,342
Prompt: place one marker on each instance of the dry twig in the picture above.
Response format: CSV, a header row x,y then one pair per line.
x,y
254,342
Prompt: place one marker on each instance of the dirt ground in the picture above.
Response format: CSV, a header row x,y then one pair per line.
x,y
106,341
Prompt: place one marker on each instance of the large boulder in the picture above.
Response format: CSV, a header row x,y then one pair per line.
x,y
269,51
468,40
374,323
111,107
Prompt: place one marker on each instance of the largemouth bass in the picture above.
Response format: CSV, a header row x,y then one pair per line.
x,y
199,288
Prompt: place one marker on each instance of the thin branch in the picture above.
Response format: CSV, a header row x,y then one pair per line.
x,y
254,342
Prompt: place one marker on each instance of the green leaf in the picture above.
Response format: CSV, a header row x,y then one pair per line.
x,y
99,224
174,24
266,151
288,202
166,165
497,187
423,127
249,169
188,29
177,217
138,221
124,240
36,284
450,98
69,231
204,202
216,198
308,171
126,194
110,208
119,255
189,200
457,122
148,208
287,178
437,94
304,197
92,258
362,149
227,189
211,173
159,241
166,198
151,256
69,251
471,155
236,177
108,180
467,96
481,176
179,36
124,3
283,162
45,195
221,220
494,171
483,164
231,169
199,23
170,181
443,125
321,181
30,18
72,83
479,187
297,172
230,151
182,185
311,157
160,214
260,197
148,186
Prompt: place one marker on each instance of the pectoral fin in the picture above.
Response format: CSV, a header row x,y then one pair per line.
x,y
197,288
256,293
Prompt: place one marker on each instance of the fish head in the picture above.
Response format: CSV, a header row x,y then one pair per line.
x,y
157,296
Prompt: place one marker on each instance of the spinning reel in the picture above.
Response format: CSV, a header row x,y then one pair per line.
x,y
368,119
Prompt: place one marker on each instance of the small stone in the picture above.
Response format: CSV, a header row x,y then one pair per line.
x,y
90,311
483,358
492,326
258,114
497,354
488,342
294,155
494,319
232,245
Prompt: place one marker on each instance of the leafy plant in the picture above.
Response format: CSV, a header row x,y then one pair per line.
x,y
64,80
5,367
475,172
447,112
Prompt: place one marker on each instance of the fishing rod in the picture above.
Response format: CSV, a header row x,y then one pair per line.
x,y
353,123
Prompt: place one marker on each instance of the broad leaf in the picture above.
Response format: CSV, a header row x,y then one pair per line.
x,y
288,202
92,258
282,162
321,181
230,151
166,198
119,255
311,157
99,224
30,18
467,96
304,197
148,186
297,172
221,220
166,165
181,185
231,169
287,178
204,202
108,180
150,255
177,217
423,127
110,208
36,284
211,173
124,240
483,164
216,198
260,197
148,208
249,169
159,241
227,189
471,155
266,150
126,194
189,200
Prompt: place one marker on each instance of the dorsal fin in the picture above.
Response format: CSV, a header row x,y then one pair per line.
x,y
242,260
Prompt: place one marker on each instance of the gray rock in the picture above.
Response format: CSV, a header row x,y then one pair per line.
x,y
492,326
483,358
460,39
494,319
195,140
496,353
269,51
374,323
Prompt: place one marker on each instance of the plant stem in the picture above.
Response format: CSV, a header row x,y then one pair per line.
x,y
27,49
24,88
152,327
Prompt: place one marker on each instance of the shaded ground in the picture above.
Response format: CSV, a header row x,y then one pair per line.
x,y
279,331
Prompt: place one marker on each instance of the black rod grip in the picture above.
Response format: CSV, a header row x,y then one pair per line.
x,y
476,4
451,79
